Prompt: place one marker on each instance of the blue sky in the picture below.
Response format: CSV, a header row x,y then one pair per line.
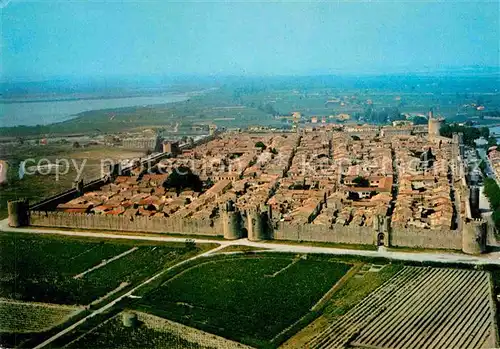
x,y
47,39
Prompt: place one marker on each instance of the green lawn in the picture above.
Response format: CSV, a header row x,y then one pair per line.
x,y
41,268
245,299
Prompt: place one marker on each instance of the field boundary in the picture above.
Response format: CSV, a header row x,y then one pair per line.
x,y
122,286
105,262
496,335
326,297
294,261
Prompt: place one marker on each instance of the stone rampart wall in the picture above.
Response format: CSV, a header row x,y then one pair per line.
x,y
122,223
426,238
322,233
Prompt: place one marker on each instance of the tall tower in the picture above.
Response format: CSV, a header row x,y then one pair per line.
x,y
18,213
434,125
474,236
257,224
230,221
474,200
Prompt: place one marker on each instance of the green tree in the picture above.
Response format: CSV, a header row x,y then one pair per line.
x,y
496,219
361,182
492,192
420,120
261,145
181,178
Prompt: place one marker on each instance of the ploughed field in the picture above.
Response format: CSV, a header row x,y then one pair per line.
x,y
249,299
419,308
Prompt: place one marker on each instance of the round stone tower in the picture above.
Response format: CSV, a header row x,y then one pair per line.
x,y
78,185
434,126
230,221
18,213
474,236
129,319
257,222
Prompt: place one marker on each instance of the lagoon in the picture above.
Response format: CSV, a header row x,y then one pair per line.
x,y
36,112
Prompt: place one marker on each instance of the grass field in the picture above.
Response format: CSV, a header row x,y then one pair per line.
x,y
20,317
42,269
234,298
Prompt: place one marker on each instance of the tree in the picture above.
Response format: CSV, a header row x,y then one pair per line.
x,y
484,132
492,142
470,134
496,219
181,178
492,192
261,145
420,120
361,182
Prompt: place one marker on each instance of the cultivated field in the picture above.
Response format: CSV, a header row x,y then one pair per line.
x,y
20,317
419,308
48,269
248,299
153,332
85,162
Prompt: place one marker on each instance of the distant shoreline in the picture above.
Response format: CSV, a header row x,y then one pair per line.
x,y
34,112
89,98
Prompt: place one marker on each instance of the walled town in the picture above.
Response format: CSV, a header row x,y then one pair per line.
x,y
391,185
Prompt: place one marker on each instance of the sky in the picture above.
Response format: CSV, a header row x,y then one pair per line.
x,y
49,39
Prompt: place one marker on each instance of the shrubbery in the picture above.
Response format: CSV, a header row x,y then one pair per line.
x,y
492,192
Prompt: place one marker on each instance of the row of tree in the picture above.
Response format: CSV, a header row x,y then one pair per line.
x,y
470,133
492,192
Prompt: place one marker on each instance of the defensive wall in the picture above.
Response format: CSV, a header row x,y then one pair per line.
x,y
425,238
321,233
175,225
256,224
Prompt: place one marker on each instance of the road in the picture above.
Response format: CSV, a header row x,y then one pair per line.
x,y
445,257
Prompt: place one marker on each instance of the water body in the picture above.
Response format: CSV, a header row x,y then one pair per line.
x,y
496,130
34,112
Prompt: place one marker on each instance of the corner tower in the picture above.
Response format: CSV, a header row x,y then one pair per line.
x,y
18,213
474,236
